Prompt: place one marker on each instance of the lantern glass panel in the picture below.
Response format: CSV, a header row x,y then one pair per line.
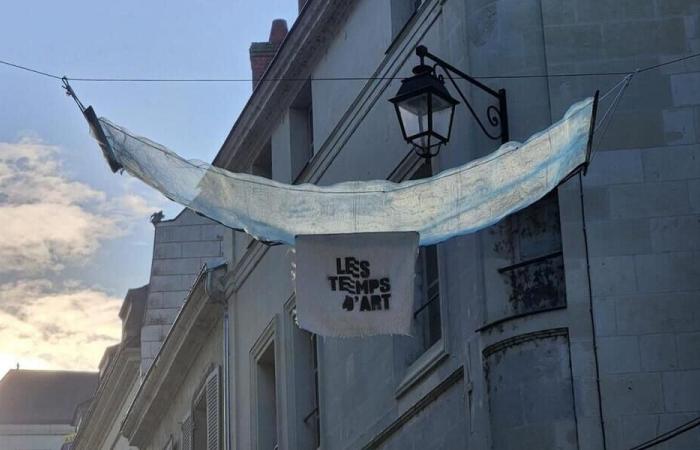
x,y
414,114
442,120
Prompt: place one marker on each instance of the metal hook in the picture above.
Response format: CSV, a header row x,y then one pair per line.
x,y
71,93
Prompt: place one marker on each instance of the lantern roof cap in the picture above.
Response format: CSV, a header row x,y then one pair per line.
x,y
423,81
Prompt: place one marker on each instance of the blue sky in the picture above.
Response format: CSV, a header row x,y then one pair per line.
x,y
76,236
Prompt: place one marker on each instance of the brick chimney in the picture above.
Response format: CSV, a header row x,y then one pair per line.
x,y
261,53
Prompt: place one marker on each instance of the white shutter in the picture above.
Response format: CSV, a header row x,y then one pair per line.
x,y
187,429
213,411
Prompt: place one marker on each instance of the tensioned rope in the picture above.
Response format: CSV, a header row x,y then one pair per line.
x,y
670,434
348,78
598,138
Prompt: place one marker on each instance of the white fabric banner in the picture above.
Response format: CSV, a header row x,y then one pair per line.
x,y
356,284
457,201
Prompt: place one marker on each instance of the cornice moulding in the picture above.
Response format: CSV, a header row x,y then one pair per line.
x,y
310,34
197,318
109,399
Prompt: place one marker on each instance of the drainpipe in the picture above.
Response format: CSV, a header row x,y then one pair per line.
x,y
216,291
227,383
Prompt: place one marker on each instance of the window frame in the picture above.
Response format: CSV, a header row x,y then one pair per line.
x,y
200,396
291,352
428,286
187,431
439,351
269,336
519,262
303,104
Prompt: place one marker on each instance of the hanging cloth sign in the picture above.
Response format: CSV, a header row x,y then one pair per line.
x,y
356,284
457,201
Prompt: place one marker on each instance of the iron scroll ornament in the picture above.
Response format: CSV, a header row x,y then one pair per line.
x,y
495,116
415,105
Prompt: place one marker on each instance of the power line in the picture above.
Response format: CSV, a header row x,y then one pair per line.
x,y
293,79
28,69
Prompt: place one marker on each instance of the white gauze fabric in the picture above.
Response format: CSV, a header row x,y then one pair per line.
x,y
454,202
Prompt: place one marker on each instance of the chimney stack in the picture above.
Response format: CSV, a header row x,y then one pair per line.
x,y
261,53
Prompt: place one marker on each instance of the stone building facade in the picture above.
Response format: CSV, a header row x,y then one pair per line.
x,y
99,426
568,325
574,324
182,246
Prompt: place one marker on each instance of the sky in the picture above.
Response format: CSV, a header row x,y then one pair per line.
x,y
73,236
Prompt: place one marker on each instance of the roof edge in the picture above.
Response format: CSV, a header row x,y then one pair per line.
x,y
294,59
105,407
194,319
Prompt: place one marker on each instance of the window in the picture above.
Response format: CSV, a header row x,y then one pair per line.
x,y
264,390
427,321
262,166
427,313
312,418
417,354
267,403
302,357
187,425
524,262
301,133
201,430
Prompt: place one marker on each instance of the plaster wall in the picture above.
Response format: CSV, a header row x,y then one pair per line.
x,y
256,307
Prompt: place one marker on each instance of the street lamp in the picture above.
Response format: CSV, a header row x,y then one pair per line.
x,y
425,108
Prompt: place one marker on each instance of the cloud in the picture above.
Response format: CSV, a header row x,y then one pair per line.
x,y
45,325
50,221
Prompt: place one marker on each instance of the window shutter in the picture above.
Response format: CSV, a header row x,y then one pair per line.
x,y
213,411
187,428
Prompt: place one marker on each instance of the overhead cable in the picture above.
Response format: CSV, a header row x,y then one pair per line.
x,y
348,78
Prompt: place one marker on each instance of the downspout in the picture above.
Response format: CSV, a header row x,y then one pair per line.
x,y
216,291
227,383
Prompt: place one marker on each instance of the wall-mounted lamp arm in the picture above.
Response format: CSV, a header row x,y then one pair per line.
x,y
497,115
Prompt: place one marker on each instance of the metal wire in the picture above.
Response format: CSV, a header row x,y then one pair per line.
x,y
348,78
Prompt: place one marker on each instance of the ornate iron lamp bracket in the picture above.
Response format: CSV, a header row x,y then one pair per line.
x,y
497,116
